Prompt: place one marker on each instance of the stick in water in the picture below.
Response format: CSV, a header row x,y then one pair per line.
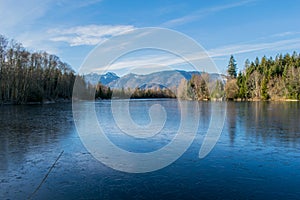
x,y
46,176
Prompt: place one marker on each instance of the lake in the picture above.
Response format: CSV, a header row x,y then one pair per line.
x,y
256,157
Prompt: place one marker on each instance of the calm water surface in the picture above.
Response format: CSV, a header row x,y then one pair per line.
x,y
256,157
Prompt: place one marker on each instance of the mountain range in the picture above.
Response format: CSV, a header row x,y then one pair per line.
x,y
161,79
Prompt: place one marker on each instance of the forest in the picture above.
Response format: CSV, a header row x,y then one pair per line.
x,y
261,79
32,77
266,78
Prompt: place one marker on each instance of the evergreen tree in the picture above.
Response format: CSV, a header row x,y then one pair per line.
x,y
241,82
232,67
264,91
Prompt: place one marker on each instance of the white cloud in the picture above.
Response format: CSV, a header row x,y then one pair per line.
x,y
87,35
37,41
202,13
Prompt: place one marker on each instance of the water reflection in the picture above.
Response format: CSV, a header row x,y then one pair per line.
x,y
269,122
24,129
232,121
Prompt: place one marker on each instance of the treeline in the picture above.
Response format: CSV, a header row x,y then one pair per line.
x,y
103,92
32,77
265,78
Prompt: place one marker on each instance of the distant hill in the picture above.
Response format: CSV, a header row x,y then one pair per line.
x,y
162,79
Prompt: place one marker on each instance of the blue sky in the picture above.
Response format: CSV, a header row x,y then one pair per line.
x,y
71,29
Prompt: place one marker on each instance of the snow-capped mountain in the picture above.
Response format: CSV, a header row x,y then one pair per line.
x,y
105,79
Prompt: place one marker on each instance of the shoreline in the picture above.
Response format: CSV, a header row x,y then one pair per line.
x,y
212,100
45,102
268,100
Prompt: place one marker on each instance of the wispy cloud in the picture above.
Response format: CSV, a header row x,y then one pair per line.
x,y
152,63
285,34
157,62
13,15
170,9
88,3
87,35
288,44
38,41
20,20
75,4
202,13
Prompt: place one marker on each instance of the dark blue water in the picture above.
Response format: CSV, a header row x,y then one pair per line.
x,y
256,157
